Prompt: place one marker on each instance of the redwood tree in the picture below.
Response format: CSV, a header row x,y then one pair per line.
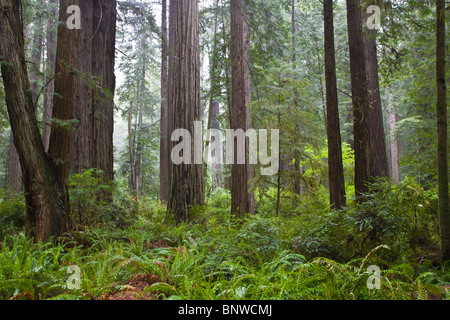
x,y
441,110
361,123
335,167
165,134
43,177
93,138
241,198
186,179
103,64
380,164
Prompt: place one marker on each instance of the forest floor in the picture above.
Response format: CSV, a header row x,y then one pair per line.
x,y
140,253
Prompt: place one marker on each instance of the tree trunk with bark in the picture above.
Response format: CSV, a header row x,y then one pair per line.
x,y
361,124
83,139
165,134
14,182
47,213
61,136
103,63
379,166
93,137
248,98
240,193
441,110
335,167
50,70
186,179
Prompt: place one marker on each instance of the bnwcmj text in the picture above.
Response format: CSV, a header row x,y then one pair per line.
x,y
254,309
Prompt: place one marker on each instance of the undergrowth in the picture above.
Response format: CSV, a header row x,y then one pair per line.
x,y
313,255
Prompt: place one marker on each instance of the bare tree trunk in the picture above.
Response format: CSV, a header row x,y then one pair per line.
x,y
379,165
215,167
14,174
83,141
393,143
131,148
61,136
14,182
36,60
51,58
240,194
441,110
186,184
335,167
170,83
138,134
248,98
93,137
103,62
212,95
165,134
47,213
360,101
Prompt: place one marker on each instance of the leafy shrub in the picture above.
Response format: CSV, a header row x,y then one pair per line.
x,y
402,216
91,204
12,214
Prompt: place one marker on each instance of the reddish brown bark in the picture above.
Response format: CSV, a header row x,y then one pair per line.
x,y
47,213
164,163
335,167
186,179
361,124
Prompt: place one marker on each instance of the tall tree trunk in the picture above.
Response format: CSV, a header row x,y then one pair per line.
x,y
164,160
393,143
393,149
50,67
83,141
36,60
14,174
170,84
240,196
361,124
213,92
47,214
103,63
61,136
335,167
441,110
293,31
93,138
131,148
297,185
215,167
138,134
186,181
248,98
14,182
379,165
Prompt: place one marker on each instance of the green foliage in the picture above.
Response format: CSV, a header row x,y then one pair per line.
x,y
91,204
12,213
198,270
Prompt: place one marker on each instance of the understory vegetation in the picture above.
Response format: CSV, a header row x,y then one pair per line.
x,y
133,249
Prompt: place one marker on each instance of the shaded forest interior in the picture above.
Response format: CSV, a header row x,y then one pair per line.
x,y
224,149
